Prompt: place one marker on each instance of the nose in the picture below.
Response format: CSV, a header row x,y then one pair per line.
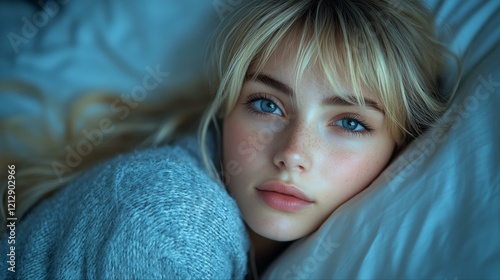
x,y
293,153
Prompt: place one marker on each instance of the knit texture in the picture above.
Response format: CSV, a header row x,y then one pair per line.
x,y
149,214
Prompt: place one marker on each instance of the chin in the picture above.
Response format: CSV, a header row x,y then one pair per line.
x,y
279,231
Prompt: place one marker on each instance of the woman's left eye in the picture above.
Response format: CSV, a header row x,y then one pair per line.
x,y
264,105
351,125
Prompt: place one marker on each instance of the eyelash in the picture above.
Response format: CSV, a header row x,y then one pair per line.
x,y
358,119
256,97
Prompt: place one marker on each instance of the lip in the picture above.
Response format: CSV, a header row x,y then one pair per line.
x,y
283,197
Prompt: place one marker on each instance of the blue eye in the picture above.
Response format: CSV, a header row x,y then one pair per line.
x,y
350,124
264,105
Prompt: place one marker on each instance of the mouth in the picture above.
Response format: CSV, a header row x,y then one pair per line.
x,y
283,197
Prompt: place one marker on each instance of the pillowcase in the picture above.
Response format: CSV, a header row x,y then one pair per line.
x,y
435,211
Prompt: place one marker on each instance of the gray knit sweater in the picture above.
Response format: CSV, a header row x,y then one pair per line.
x,y
149,214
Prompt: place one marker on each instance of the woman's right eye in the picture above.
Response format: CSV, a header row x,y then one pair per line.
x,y
263,105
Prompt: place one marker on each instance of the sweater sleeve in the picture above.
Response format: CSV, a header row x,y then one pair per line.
x,y
175,222
150,214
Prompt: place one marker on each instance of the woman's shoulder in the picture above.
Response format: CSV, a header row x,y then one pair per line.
x,y
168,178
154,208
152,172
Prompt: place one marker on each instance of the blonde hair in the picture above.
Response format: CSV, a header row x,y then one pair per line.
x,y
386,47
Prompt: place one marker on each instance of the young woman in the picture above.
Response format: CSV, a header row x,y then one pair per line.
x,y
312,99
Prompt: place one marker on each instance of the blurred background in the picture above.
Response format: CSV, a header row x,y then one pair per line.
x,y
54,51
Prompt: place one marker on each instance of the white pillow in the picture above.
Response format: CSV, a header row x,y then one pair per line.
x,y
435,212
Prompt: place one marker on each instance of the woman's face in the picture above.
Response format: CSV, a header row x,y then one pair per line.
x,y
293,155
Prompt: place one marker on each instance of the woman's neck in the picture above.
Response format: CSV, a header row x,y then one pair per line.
x,y
265,250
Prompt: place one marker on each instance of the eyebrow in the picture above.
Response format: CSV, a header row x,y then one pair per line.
x,y
329,101
271,82
336,100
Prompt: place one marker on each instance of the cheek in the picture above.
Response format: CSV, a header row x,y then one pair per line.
x,y
239,147
348,172
231,159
